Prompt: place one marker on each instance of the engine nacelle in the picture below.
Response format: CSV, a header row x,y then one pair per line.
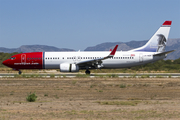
x,y
66,67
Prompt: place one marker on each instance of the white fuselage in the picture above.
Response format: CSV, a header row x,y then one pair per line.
x,y
52,60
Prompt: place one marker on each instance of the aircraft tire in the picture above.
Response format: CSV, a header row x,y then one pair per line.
x,y
20,72
87,72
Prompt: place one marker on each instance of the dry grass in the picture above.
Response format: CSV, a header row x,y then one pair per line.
x,y
90,98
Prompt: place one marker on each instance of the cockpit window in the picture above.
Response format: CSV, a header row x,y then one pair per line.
x,y
12,58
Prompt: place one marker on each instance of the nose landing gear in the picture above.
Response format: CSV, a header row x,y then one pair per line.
x,y
20,72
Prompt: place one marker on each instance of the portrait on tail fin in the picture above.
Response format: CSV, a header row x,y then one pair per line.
x,y
161,43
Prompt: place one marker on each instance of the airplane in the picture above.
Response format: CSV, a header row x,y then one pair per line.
x,y
152,51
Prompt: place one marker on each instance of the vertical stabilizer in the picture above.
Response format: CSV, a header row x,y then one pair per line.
x,y
157,43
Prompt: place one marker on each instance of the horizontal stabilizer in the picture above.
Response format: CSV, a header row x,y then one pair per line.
x,y
163,53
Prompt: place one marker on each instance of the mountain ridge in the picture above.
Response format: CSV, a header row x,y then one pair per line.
x,y
33,48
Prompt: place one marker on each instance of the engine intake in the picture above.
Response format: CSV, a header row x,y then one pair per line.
x,y
66,67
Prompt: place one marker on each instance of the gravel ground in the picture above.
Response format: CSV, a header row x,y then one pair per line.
x,y
90,98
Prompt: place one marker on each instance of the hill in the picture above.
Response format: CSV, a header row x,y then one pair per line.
x,y
33,48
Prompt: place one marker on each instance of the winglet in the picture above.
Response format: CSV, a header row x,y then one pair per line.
x,y
113,51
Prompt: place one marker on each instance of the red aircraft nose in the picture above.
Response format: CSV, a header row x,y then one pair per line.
x,y
6,62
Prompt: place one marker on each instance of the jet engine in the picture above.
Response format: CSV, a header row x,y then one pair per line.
x,y
66,67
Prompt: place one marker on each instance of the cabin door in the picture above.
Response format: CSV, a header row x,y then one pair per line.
x,y
23,58
74,58
140,57
78,58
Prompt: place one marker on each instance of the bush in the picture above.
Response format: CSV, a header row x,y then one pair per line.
x,y
144,76
112,75
122,85
82,75
52,76
31,97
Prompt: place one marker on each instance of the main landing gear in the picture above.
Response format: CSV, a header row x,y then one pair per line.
x,y
87,72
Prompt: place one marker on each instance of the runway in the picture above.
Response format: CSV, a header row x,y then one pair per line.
x,y
174,75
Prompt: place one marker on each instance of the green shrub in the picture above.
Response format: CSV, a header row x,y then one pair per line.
x,y
131,102
133,76
31,97
82,75
52,75
144,76
169,76
74,82
100,90
112,75
99,75
159,76
122,85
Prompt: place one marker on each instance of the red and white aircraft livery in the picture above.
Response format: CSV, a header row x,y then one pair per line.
x,y
152,51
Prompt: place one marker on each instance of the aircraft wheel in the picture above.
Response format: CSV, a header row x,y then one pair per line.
x,y
87,72
20,72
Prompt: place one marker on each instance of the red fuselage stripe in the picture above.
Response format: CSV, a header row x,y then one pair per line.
x,y
32,60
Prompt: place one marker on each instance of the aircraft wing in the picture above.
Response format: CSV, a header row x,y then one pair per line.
x,y
95,62
163,53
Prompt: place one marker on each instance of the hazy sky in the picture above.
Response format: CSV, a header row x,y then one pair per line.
x,y
78,24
